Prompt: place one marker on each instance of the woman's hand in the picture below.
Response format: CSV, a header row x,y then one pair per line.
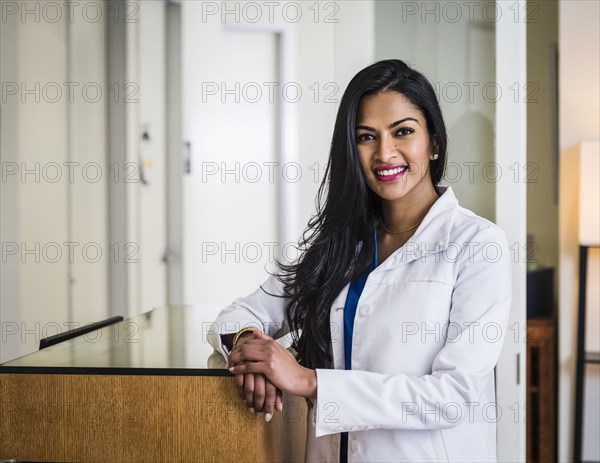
x,y
260,353
260,394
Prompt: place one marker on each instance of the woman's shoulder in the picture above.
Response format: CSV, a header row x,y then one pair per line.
x,y
472,227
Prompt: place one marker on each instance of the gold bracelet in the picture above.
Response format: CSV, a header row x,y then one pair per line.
x,y
242,331
293,351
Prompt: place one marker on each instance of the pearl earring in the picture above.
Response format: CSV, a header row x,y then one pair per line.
x,y
435,156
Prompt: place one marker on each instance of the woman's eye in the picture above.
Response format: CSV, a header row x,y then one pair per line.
x,y
364,137
405,131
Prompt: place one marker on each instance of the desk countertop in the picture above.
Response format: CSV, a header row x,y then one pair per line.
x,y
166,341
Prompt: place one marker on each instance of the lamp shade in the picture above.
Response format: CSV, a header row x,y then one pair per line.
x,y
589,193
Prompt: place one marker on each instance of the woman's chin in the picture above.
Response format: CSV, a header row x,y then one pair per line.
x,y
391,191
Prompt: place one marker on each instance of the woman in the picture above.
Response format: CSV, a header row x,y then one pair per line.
x,y
399,303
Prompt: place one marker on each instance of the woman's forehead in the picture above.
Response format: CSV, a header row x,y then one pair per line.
x,y
386,105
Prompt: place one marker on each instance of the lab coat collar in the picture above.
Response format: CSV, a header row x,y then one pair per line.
x,y
432,235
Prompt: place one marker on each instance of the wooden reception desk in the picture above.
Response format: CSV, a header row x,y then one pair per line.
x,y
148,389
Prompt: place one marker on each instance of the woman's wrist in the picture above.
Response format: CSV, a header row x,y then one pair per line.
x,y
246,334
243,332
227,339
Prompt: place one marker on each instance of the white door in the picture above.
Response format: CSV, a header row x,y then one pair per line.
x,y
230,189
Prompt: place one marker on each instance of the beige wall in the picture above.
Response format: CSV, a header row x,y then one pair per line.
x,y
579,120
542,207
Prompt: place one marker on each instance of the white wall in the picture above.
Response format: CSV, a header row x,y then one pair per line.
x,y
58,211
579,50
34,128
87,198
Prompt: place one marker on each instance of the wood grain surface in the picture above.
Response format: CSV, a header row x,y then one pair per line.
x,y
106,418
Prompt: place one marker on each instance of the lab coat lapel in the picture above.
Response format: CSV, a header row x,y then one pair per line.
x,y
432,235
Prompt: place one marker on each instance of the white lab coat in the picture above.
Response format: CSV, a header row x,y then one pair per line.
x,y
429,328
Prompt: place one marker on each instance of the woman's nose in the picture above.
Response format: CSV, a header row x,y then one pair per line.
x,y
386,149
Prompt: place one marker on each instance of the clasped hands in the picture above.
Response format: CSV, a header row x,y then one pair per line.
x,y
264,369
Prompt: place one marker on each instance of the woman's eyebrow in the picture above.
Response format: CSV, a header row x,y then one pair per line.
x,y
391,126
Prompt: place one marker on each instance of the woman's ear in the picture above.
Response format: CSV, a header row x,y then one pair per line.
x,y
434,146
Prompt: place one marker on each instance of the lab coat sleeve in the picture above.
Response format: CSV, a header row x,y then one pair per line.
x,y
349,400
263,309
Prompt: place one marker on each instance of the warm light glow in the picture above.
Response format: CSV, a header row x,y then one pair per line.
x,y
589,193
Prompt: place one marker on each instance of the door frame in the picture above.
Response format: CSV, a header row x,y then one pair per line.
x,y
511,216
286,117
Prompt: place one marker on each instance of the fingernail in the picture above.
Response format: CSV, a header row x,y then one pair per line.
x,y
231,369
279,406
251,410
268,416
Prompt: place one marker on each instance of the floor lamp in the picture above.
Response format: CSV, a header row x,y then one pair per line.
x,y
589,237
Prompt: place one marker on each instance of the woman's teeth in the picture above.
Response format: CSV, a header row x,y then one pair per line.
x,y
397,170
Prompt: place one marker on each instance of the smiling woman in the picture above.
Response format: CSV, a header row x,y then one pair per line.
x,y
388,152
397,306
395,158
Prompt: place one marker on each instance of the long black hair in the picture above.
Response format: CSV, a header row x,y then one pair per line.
x,y
337,243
